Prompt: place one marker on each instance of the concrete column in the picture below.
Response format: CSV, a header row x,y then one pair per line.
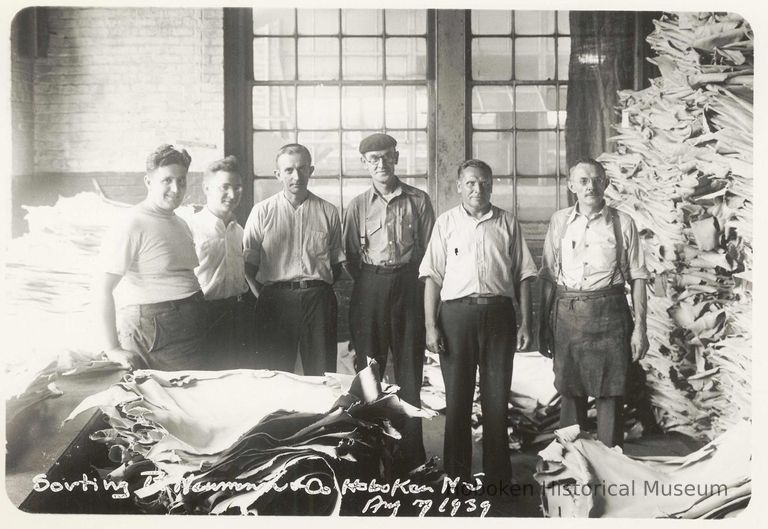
x,y
451,141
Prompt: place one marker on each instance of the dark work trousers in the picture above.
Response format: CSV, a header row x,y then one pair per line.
x,y
610,425
229,343
169,335
386,313
288,320
485,336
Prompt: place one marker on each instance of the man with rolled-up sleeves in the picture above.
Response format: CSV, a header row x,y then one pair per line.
x,y
477,270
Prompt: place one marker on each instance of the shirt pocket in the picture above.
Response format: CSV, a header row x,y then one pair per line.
x,y
406,226
317,244
602,256
373,231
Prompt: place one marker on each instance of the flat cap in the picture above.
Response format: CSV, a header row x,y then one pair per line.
x,y
377,142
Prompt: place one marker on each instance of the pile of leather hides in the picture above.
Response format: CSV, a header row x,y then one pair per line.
x,y
247,441
534,404
683,171
581,477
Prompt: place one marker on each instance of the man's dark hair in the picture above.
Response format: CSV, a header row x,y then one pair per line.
x,y
167,155
589,161
228,164
477,164
293,148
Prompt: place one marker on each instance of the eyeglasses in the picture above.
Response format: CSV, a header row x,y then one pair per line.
x,y
374,159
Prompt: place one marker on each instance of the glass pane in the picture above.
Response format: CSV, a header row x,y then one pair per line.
x,y
362,58
362,22
407,58
492,107
274,107
351,163
534,110
406,21
318,107
274,59
503,193
318,21
536,153
534,58
324,147
406,107
534,22
414,152
318,58
327,188
563,57
537,198
496,149
353,187
263,188
491,22
273,21
362,107
492,59
563,22
265,145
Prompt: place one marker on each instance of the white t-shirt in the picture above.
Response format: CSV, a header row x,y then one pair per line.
x,y
155,254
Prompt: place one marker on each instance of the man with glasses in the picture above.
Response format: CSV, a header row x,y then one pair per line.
x,y
293,255
386,230
590,251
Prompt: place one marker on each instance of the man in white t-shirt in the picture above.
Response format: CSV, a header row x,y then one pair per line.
x,y
161,320
221,272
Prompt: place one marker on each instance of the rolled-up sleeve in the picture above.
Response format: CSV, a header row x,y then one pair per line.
x,y
635,254
547,270
253,237
433,264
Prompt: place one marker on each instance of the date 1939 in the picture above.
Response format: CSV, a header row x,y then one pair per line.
x,y
448,506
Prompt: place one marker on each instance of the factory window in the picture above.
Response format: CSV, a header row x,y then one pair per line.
x,y
328,77
518,77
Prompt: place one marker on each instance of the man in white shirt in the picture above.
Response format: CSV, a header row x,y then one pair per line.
x,y
221,272
477,270
590,251
161,318
293,255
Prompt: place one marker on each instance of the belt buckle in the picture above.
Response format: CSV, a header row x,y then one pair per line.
x,y
303,284
482,301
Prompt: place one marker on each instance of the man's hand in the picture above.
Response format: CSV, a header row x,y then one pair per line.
x,y
523,338
639,344
128,359
435,342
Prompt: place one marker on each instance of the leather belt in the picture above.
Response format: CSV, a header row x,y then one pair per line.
x,y
482,300
384,269
299,285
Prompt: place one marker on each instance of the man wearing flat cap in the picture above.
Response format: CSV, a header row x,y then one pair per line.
x,y
160,321
386,230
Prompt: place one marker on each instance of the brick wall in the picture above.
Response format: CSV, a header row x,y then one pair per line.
x,y
22,110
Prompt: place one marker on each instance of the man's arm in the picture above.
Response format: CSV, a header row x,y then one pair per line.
x,y
351,239
639,335
250,277
104,302
435,342
524,333
545,348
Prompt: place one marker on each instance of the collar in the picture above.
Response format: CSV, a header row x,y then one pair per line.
x,y
399,190
605,212
489,215
288,202
211,217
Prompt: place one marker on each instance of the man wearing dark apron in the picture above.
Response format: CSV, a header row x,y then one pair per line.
x,y
591,250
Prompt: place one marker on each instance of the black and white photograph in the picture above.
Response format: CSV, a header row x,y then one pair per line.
x,y
483,260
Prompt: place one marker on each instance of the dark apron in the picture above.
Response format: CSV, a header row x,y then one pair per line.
x,y
592,332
